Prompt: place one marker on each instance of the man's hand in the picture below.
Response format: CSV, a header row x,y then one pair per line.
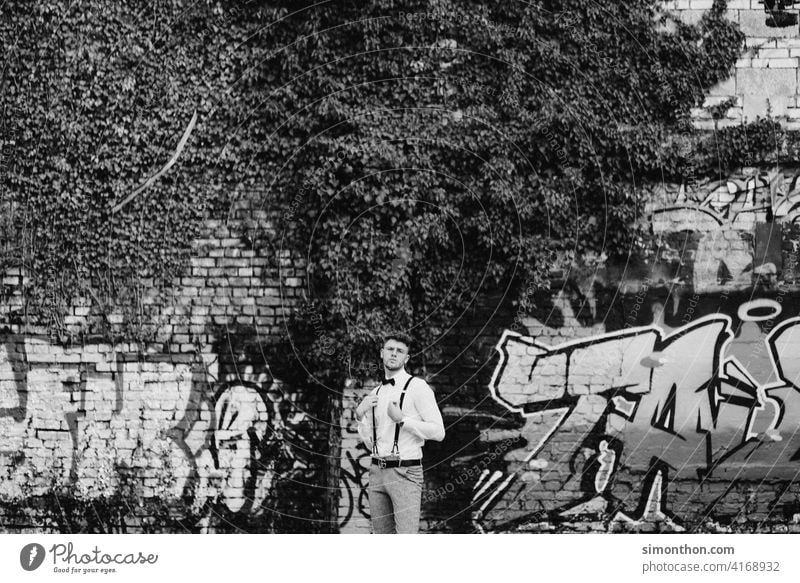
x,y
367,403
395,414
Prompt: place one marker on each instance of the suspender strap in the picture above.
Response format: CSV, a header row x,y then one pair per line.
x,y
395,448
375,429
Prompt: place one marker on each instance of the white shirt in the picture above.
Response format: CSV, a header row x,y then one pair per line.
x,y
421,418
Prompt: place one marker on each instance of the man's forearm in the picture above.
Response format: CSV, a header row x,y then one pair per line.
x,y
362,409
428,430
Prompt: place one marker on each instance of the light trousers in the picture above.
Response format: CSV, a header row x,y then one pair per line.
x,y
395,496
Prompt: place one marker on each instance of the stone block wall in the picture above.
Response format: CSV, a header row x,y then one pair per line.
x,y
766,75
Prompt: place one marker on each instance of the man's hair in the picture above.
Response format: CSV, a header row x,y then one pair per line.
x,y
398,337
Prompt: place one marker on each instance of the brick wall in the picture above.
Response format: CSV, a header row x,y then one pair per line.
x,y
196,431
579,411
766,75
196,427
659,393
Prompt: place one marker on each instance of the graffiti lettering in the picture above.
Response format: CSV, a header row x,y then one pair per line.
x,y
625,418
82,418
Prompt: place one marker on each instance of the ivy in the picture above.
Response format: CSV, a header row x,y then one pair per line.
x,y
421,154
454,151
94,97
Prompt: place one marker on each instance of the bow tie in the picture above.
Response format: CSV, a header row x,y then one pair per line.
x,y
387,381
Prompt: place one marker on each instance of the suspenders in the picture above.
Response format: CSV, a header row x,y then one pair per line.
x,y
395,449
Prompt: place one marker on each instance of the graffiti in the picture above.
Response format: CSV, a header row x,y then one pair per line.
x,y
672,399
353,514
734,200
53,406
13,380
249,443
82,419
250,447
240,428
618,422
354,479
732,230
651,389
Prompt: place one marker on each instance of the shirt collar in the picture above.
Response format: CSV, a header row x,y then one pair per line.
x,y
400,378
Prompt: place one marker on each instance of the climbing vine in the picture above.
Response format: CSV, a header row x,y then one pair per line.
x,y
94,97
447,152
420,154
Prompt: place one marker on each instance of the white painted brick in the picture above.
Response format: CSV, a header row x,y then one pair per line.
x,y
766,82
735,112
755,42
787,43
690,16
39,357
717,99
92,357
754,24
103,415
788,63
772,53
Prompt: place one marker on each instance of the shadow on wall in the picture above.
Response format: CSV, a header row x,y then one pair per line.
x,y
269,441
454,466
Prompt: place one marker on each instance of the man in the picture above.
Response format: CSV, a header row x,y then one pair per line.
x,y
394,421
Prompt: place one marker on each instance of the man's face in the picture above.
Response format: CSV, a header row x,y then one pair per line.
x,y
394,355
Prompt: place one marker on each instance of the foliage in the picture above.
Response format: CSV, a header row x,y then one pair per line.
x,y
424,153
94,97
439,152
